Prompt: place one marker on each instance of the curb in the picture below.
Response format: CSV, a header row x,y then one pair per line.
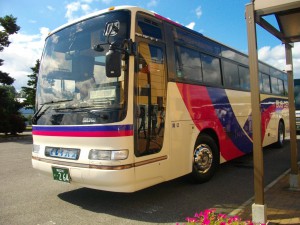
x,y
249,201
242,207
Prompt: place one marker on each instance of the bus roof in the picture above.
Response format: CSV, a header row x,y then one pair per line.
x,y
97,13
139,9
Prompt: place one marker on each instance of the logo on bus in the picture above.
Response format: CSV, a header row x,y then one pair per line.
x,y
88,120
282,104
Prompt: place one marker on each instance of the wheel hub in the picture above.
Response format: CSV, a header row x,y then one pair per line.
x,y
203,158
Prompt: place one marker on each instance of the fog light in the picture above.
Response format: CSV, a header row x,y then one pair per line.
x,y
96,154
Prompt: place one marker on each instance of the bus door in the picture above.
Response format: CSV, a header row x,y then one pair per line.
x,y
150,89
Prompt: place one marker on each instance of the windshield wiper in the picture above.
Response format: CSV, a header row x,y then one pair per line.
x,y
38,115
59,101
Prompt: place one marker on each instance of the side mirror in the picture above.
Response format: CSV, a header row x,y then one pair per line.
x,y
113,64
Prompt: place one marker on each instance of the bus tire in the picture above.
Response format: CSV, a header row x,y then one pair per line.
x,y
206,159
281,135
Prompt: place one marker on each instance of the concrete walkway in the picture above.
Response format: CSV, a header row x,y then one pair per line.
x,y
282,202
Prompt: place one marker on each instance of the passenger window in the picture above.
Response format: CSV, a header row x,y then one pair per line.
x,y
230,75
265,83
188,64
286,88
274,83
211,69
149,28
280,87
244,78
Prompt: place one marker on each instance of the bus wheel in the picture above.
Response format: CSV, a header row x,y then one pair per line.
x,y
281,135
205,159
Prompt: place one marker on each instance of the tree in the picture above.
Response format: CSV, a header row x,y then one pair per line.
x,y
10,27
11,121
4,77
9,23
29,92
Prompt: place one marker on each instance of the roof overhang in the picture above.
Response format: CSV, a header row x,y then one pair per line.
x,y
287,14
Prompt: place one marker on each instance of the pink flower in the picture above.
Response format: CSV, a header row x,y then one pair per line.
x,y
236,218
209,211
222,216
198,215
209,217
206,221
233,219
191,219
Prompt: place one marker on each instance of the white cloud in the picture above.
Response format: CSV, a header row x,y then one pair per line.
x,y
51,8
71,9
77,9
106,1
85,8
22,54
198,11
152,3
276,57
191,25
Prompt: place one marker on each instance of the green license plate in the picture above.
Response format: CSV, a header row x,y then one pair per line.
x,y
61,174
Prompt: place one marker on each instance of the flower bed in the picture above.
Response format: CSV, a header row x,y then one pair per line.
x,y
209,217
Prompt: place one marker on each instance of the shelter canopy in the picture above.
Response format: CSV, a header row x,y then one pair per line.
x,y
287,14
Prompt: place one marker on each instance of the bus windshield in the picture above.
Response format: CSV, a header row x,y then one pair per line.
x,y
73,88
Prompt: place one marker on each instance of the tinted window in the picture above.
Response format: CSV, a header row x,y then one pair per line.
x,y
211,69
274,83
230,75
197,41
286,87
233,55
188,64
263,68
280,87
150,29
244,78
265,83
275,73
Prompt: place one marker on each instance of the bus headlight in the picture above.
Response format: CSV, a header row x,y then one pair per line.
x,y
36,148
96,154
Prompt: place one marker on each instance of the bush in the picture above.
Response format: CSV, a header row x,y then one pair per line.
x,y
12,124
17,123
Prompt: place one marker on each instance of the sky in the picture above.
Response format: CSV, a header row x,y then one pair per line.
x,y
221,20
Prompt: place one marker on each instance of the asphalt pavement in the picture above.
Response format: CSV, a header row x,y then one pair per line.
x,y
29,198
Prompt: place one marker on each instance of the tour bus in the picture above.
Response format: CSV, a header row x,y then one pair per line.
x,y
127,99
297,103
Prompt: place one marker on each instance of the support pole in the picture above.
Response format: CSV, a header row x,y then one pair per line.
x,y
258,208
294,175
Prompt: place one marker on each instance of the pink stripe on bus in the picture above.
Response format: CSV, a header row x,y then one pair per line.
x,y
84,134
